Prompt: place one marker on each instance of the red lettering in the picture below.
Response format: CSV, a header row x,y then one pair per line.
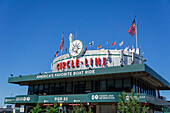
x,y
68,62
57,66
91,61
104,60
97,61
77,62
86,62
72,63
60,65
64,65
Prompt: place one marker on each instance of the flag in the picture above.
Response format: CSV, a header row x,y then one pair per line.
x,y
133,48
127,48
113,43
121,43
86,48
91,43
132,29
57,53
107,42
98,47
61,45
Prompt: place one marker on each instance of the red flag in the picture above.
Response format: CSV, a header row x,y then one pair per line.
x,y
57,53
113,43
61,45
98,47
132,29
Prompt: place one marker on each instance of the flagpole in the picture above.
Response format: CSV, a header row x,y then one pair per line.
x,y
136,34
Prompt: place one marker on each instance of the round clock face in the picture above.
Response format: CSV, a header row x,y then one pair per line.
x,y
76,48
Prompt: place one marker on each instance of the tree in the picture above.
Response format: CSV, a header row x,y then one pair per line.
x,y
131,105
53,109
81,109
36,109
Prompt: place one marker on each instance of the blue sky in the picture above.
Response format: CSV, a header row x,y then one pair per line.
x,y
31,30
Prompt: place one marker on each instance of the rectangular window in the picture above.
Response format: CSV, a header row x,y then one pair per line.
x,y
127,84
57,88
35,89
88,86
96,86
81,87
52,88
69,87
110,85
46,89
30,92
103,85
75,87
118,83
62,88
41,88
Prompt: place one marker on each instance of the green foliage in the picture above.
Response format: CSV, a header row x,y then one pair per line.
x,y
81,109
53,109
36,109
130,105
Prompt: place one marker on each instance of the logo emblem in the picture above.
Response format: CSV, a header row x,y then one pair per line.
x,y
76,47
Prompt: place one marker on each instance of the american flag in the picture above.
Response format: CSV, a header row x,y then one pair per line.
x,y
61,45
132,29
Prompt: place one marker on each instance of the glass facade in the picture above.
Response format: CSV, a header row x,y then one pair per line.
x,y
87,86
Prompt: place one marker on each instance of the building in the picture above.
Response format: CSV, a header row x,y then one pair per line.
x,y
92,77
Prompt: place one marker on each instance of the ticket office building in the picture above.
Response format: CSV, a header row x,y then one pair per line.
x,y
105,83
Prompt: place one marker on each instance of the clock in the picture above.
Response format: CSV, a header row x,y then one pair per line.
x,y
76,48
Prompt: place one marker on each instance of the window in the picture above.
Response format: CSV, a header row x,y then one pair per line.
x,y
127,84
69,87
57,88
110,85
41,88
88,86
46,88
75,87
52,88
103,85
81,87
118,84
35,89
30,92
96,86
63,85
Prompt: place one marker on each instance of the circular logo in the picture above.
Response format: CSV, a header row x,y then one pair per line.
x,y
94,97
28,98
76,48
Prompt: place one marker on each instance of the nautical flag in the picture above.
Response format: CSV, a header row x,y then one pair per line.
x,y
121,43
91,43
61,45
107,42
113,43
57,53
132,29
98,47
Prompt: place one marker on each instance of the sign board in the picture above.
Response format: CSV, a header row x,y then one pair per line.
x,y
21,109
